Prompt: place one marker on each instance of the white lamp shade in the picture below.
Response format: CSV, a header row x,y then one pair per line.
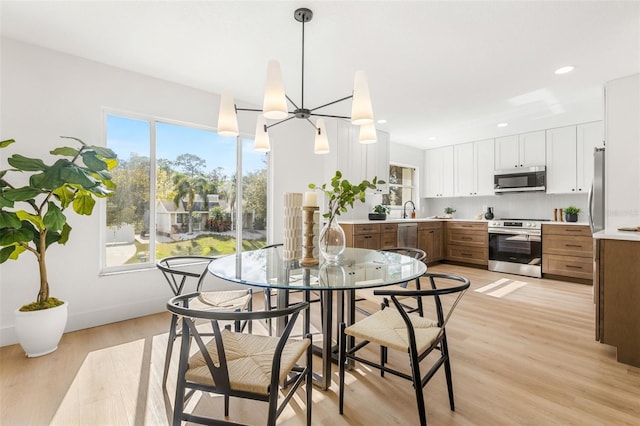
x,y
227,118
275,102
261,141
368,133
321,145
361,109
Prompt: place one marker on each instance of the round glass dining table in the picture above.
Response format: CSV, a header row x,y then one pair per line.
x,y
356,268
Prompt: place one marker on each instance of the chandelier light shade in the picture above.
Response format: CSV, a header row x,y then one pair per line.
x,y
368,133
275,106
227,117
261,141
361,109
321,145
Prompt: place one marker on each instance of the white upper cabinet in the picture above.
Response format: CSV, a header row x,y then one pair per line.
x,y
439,172
473,168
357,161
570,157
524,150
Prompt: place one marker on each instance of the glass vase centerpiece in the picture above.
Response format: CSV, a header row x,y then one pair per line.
x,y
340,194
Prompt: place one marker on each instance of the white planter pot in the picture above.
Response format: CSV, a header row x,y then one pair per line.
x,y
40,331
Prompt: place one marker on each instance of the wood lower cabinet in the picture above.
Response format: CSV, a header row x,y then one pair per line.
x,y
616,295
567,250
430,240
467,242
374,236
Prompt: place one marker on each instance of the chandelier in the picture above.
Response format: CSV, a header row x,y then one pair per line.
x,y
275,106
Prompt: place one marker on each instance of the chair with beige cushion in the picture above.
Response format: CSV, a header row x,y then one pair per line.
x,y
235,364
367,293
179,271
394,328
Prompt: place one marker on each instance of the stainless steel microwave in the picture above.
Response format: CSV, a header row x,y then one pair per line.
x,y
520,179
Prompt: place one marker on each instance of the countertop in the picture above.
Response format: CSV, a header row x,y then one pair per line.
x,y
614,234
425,219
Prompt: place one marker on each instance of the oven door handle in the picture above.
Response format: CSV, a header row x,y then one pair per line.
x,y
513,232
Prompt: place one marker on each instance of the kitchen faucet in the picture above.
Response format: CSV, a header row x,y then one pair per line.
x,y
404,208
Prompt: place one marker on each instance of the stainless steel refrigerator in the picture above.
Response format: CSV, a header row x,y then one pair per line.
x,y
596,193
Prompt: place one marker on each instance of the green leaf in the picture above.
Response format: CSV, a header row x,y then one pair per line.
x,y
65,195
27,164
92,161
103,152
9,220
66,151
54,220
5,202
75,139
71,173
34,219
83,204
51,238
21,194
11,236
112,163
2,173
6,143
6,252
64,235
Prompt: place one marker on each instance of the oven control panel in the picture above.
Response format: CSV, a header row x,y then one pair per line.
x,y
516,224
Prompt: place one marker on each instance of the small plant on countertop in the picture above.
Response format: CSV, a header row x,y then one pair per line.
x,y
380,209
449,210
572,210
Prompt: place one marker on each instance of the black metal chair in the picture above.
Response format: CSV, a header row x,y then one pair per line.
x,y
393,327
178,271
368,293
240,365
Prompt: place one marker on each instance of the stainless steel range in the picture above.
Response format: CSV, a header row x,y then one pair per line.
x,y
515,246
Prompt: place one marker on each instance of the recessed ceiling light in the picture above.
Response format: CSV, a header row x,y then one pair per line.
x,y
503,124
432,138
565,70
382,121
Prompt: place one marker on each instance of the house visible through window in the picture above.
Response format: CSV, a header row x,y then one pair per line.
x,y
180,192
402,185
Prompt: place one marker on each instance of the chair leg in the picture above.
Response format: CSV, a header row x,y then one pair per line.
x,y
309,379
267,307
226,405
383,359
341,364
447,371
417,384
167,356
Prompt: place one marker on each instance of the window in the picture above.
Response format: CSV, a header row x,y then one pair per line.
x,y
178,191
402,185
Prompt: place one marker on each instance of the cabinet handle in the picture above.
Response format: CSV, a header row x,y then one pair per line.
x,y
573,230
573,245
466,254
573,189
573,266
466,238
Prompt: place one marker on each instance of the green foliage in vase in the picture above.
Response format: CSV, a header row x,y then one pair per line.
x,y
76,180
449,210
572,210
341,194
380,209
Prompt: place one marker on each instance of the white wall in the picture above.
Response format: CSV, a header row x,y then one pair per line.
x,y
45,94
622,155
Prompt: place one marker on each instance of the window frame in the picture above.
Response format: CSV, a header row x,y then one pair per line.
x,y
153,120
414,187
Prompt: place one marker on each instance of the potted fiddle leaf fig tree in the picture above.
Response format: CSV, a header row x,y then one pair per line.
x,y
32,219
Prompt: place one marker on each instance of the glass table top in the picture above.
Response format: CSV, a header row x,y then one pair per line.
x,y
356,268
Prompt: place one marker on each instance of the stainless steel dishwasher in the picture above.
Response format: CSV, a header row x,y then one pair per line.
x,y
408,235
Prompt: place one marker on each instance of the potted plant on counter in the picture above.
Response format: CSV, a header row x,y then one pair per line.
x,y
380,212
32,219
448,212
340,194
571,213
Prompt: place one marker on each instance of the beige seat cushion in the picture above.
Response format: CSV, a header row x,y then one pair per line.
x,y
221,300
387,328
249,359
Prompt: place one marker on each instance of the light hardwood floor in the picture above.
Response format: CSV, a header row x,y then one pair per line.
x,y
527,358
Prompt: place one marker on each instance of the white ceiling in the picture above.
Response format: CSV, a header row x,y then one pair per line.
x,y
450,70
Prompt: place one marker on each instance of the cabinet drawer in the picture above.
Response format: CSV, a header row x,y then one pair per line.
x,y
477,255
367,228
470,226
429,225
464,237
368,241
388,240
567,245
569,266
389,227
575,230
